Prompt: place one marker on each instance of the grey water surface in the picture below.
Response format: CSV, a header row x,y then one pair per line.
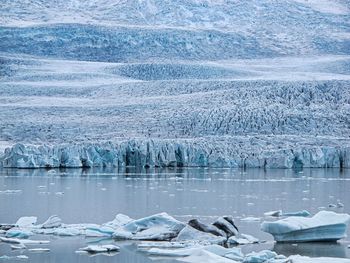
x,y
97,195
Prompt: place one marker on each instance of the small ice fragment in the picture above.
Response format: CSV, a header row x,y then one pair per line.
x,y
22,257
11,192
302,213
22,241
39,250
340,205
100,248
19,246
251,219
243,239
59,193
276,213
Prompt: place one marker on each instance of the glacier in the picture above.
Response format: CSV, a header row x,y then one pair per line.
x,y
185,153
324,226
187,83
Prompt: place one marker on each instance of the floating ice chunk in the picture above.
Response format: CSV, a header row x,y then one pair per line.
x,y
5,227
100,248
19,246
22,257
119,220
251,219
19,233
302,213
161,244
276,213
66,231
243,239
301,259
324,226
207,257
103,231
26,221
189,233
23,241
260,257
156,227
9,192
52,222
39,250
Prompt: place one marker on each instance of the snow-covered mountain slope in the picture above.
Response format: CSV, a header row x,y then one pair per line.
x,y
105,30
222,80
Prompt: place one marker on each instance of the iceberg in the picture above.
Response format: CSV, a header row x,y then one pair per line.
x,y
189,233
26,221
52,222
156,227
324,226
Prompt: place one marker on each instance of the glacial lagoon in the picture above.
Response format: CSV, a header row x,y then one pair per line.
x,y
97,195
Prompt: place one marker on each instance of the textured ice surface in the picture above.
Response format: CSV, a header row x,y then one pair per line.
x,y
189,233
324,226
236,84
216,152
156,227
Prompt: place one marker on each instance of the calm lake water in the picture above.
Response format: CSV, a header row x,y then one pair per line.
x,y
96,196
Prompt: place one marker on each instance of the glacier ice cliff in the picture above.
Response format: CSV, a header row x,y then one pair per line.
x,y
180,153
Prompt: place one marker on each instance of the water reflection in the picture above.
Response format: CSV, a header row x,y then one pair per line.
x,y
322,249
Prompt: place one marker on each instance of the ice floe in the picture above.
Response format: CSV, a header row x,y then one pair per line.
x,y
100,248
242,239
156,227
279,213
324,226
52,222
26,221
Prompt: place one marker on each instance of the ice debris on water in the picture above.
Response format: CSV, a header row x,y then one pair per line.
x,y
39,250
99,248
279,213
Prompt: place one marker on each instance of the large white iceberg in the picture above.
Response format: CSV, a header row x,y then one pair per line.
x,y
324,226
